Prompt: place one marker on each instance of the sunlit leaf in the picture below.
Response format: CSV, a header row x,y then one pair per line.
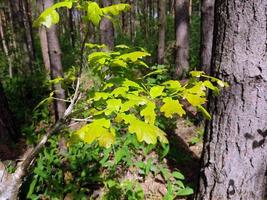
x,y
119,91
99,130
149,113
101,95
119,63
134,56
194,99
113,105
115,9
196,73
94,13
204,112
173,85
156,91
144,132
172,107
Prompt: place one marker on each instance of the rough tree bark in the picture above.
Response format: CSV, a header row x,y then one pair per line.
x,y
107,29
182,37
55,66
207,23
8,131
162,31
43,40
235,150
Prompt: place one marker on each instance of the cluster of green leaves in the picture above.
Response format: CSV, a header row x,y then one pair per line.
x,y
137,103
94,13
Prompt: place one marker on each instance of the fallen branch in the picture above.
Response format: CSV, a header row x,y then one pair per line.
x,y
10,183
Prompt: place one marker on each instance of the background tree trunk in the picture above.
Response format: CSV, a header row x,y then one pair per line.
x,y
107,29
207,23
182,37
56,66
43,40
235,149
162,31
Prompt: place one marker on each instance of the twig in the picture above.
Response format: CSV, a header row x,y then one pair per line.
x,y
11,186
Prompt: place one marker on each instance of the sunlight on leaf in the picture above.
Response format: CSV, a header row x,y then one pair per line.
x,y
172,107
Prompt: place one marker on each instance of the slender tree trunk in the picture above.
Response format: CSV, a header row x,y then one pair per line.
x,y
207,23
8,131
235,148
182,37
27,21
43,41
162,31
71,27
107,29
132,21
55,66
5,48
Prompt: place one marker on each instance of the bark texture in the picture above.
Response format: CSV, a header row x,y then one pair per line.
x,y
235,148
55,66
207,23
162,31
182,37
107,29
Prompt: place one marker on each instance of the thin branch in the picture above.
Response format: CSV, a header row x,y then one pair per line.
x,y
10,189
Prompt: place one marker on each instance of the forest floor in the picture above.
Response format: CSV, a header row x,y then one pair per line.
x,y
183,156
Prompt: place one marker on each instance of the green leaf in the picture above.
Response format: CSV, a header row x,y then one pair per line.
x,y
50,16
196,73
204,112
128,104
101,95
119,91
122,46
99,130
149,113
113,105
133,56
178,175
158,71
185,192
156,91
67,4
118,63
172,107
144,132
115,9
171,84
128,83
95,56
194,99
94,13
95,46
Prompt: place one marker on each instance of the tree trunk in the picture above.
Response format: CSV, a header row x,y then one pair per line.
x,y
182,37
207,23
8,132
27,21
235,150
107,29
43,40
162,31
132,21
5,48
55,66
